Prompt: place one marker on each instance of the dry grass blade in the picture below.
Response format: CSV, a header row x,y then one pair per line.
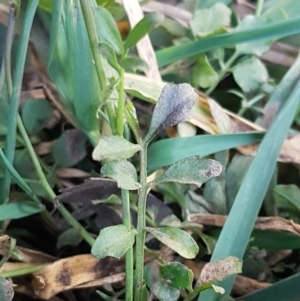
x,y
262,223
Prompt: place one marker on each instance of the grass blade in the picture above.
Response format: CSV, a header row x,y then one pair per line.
x,y
286,289
166,152
19,210
267,32
238,227
14,173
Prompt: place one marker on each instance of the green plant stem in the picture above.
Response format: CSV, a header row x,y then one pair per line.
x,y
223,71
141,224
129,254
61,208
259,7
121,105
92,33
250,103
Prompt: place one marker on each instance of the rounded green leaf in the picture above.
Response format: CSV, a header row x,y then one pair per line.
x,y
113,241
6,289
70,148
250,74
114,148
176,239
173,106
191,170
123,172
179,275
36,115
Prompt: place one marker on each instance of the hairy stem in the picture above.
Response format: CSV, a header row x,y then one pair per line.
x,y
141,224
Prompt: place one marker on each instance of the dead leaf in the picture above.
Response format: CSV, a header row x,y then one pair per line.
x,y
71,272
71,173
262,223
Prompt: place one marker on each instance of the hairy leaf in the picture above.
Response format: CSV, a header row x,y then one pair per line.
x,y
191,170
114,148
176,239
113,241
123,172
173,106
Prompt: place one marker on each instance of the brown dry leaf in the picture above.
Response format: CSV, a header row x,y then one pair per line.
x,y
242,285
44,148
71,272
144,46
277,256
71,173
262,223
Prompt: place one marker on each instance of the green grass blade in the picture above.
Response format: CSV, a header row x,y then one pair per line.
x,y
14,173
166,152
19,210
15,97
286,289
238,227
267,32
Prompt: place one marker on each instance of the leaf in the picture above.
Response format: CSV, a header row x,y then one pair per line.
x,y
176,239
266,32
177,275
131,118
141,29
114,148
219,270
250,74
70,237
166,152
257,48
6,290
109,54
36,115
191,170
143,87
221,118
287,197
70,148
15,175
134,64
173,106
107,29
208,21
123,172
203,74
158,285
19,210
72,68
286,289
113,241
